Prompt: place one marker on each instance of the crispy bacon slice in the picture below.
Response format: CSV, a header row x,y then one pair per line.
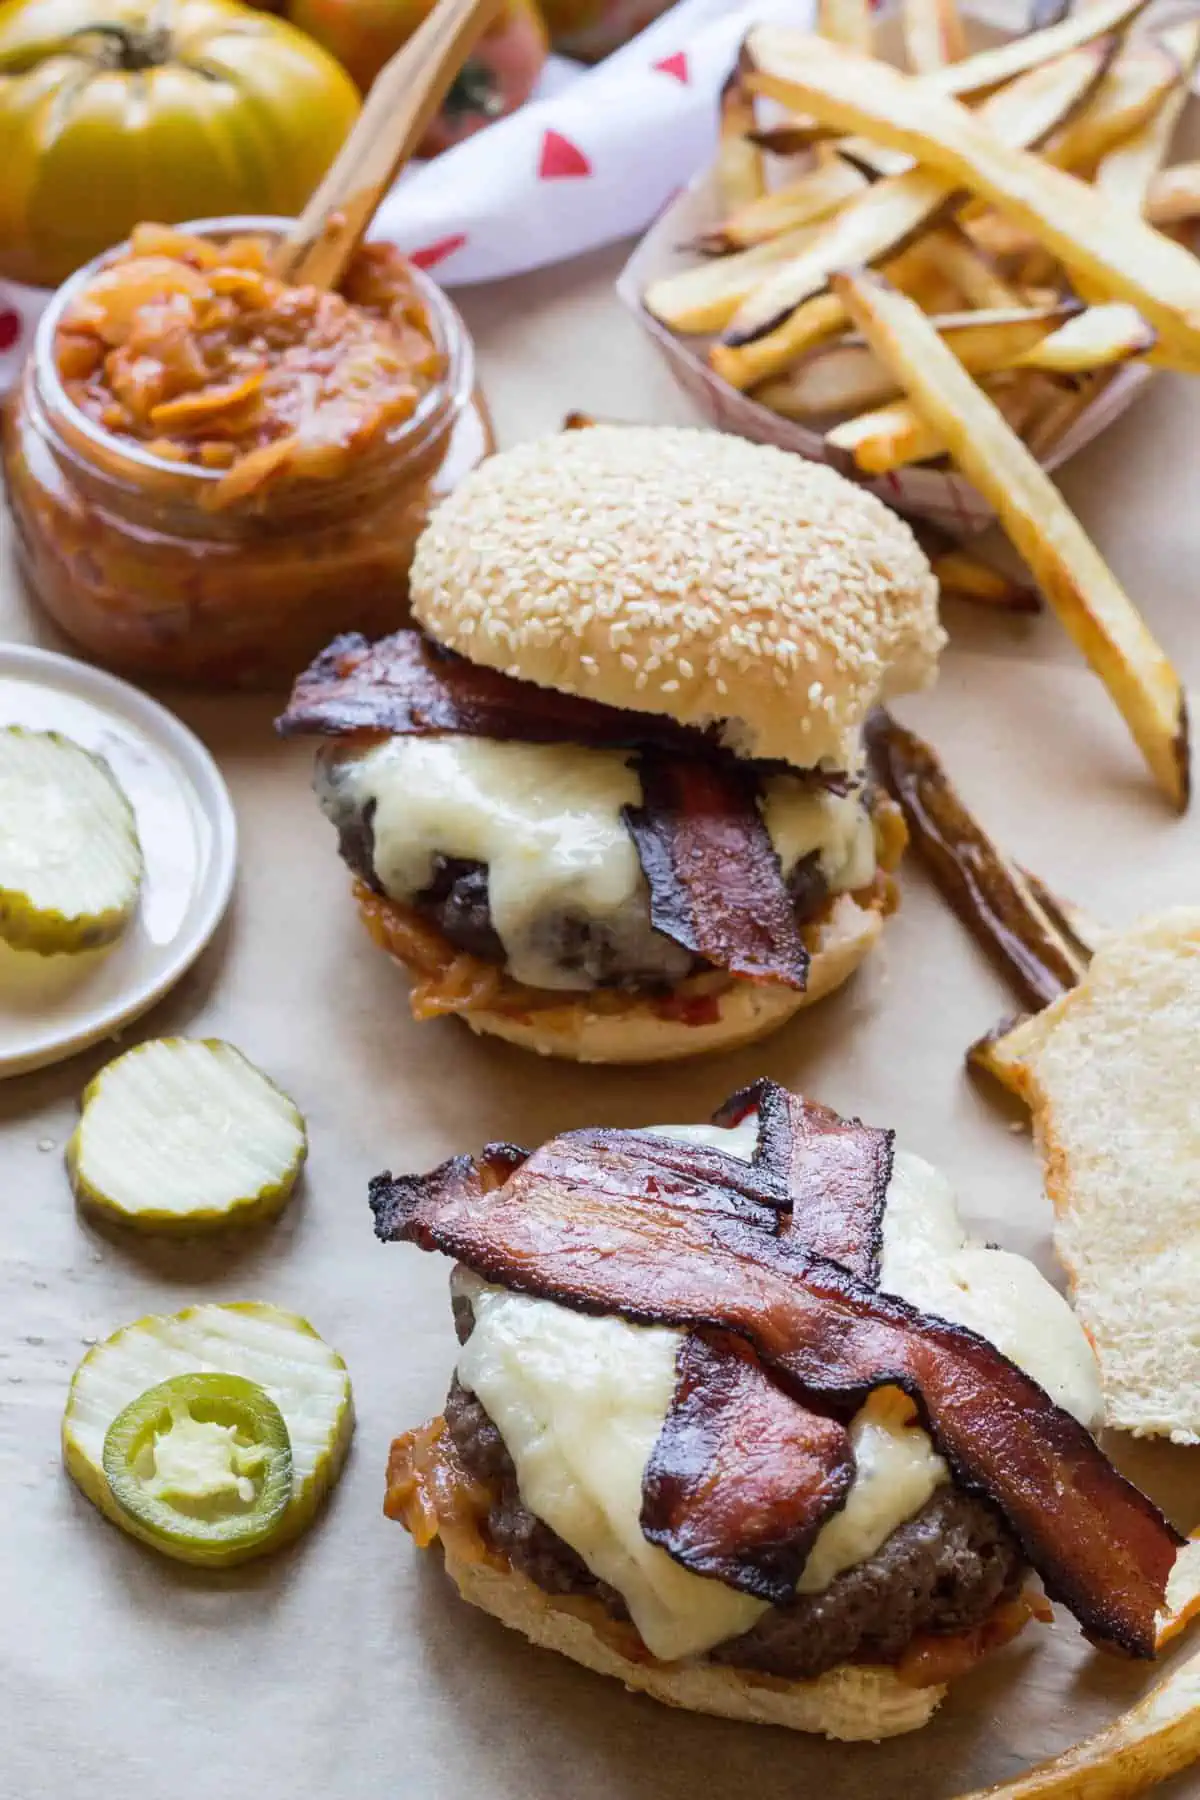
x,y
409,686
830,1174
742,1476
610,1222
716,886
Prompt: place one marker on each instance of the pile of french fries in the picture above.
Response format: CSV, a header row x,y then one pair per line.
x,y
952,261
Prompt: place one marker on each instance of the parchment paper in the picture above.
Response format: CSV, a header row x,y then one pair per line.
x,y
346,1669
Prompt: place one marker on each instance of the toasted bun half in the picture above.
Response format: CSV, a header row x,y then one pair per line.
x,y
1110,1072
852,1702
620,1028
685,573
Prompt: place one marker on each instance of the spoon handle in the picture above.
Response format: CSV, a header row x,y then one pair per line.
x,y
399,110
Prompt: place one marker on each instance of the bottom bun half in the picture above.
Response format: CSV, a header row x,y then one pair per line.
x,y
708,1013
850,1703
432,1496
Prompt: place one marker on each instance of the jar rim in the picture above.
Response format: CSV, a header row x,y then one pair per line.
x,y
453,342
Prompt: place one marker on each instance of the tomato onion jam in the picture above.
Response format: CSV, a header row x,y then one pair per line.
x,y
197,351
213,472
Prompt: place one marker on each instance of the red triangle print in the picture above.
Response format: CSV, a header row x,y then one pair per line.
x,y
10,328
560,159
432,254
675,65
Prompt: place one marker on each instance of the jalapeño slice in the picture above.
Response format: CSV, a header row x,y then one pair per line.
x,y
202,1464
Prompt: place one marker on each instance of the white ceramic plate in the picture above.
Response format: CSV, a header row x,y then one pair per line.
x,y
50,1007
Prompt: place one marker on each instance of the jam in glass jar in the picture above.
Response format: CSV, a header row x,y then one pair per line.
x,y
211,474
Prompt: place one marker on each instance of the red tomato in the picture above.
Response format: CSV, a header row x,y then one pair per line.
x,y
499,75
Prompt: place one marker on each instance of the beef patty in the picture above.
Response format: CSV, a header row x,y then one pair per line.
x,y
455,901
942,1571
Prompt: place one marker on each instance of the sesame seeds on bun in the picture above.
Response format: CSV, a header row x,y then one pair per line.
x,y
689,573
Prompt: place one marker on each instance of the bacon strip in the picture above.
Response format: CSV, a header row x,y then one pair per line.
x,y
606,1223
716,886
742,1476
830,1174
409,686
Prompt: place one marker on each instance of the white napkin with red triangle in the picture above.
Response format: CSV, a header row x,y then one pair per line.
x,y
593,158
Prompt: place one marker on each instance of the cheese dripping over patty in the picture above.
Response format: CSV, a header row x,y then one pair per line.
x,y
547,821
580,1402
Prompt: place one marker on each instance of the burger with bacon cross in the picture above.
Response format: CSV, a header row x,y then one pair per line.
x,y
741,1417
609,802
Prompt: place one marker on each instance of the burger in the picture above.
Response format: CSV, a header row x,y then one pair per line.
x,y
608,801
741,1417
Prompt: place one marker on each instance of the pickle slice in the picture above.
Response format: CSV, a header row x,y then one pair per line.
x,y
70,860
277,1351
183,1135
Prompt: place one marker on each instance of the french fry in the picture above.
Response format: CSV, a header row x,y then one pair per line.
x,y
888,214
1173,197
812,196
1035,294
933,34
739,170
849,377
967,578
1146,1745
894,436
933,293
796,137
997,236
1109,251
846,22
972,273
1096,338
707,296
1066,565
1071,921
988,892
813,324
974,76
1126,173
887,438
988,70
1126,98
1038,271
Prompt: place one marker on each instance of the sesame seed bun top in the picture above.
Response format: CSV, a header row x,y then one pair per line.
x,y
687,573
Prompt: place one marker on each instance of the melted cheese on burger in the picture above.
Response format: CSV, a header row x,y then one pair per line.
x,y
547,821
580,1402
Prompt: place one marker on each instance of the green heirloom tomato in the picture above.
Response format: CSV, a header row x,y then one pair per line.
x,y
160,110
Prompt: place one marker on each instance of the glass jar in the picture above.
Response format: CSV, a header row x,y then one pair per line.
x,y
121,549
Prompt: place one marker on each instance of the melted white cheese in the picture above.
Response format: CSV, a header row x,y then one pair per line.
x,y
547,821
930,1261
580,1403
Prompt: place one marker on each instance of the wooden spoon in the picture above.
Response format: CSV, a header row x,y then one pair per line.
x,y
401,106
